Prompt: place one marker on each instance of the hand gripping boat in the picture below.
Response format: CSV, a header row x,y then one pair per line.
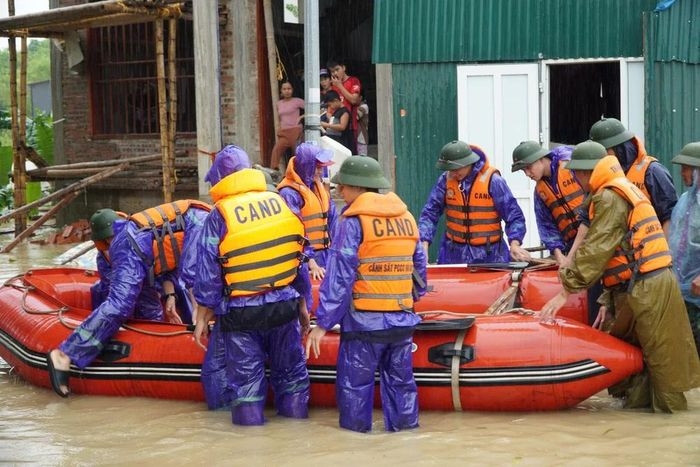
x,y
505,362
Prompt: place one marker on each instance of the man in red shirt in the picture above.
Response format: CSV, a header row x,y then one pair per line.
x,y
350,90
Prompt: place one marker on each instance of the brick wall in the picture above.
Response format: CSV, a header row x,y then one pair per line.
x,y
142,187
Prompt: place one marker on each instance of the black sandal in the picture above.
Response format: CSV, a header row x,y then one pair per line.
x,y
58,377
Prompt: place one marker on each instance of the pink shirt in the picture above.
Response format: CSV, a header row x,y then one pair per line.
x,y
289,112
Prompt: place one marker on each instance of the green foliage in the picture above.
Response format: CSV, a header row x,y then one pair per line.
x,y
7,201
5,120
40,136
38,66
294,10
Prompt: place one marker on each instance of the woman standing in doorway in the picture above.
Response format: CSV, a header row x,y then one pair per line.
x,y
291,112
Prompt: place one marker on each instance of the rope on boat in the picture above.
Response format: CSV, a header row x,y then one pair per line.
x,y
520,311
432,313
31,311
155,333
59,312
507,299
7,283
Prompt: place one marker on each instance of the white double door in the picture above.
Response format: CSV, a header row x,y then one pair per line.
x,y
501,105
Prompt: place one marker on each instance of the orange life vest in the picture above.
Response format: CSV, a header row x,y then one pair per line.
x,y
638,169
314,213
262,249
562,205
644,249
167,224
472,218
389,237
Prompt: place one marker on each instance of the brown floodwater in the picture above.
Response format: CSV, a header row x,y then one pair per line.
x,y
39,428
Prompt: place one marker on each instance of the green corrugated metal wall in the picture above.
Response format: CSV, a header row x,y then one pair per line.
x,y
673,80
420,31
425,118
425,39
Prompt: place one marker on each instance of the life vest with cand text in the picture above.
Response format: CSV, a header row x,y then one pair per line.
x,y
563,204
262,249
644,249
389,237
472,218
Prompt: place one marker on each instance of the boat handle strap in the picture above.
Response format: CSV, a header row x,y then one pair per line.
x,y
454,374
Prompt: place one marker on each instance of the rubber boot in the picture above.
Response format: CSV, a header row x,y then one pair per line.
x,y
247,414
294,405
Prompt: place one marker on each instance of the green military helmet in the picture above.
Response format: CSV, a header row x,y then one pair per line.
x,y
361,171
690,155
586,155
526,153
269,182
101,224
455,155
610,132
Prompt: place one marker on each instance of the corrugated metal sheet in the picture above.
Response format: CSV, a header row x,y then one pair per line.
x,y
673,80
420,31
676,33
425,118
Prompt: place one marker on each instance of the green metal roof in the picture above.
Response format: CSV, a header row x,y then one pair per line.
x,y
419,31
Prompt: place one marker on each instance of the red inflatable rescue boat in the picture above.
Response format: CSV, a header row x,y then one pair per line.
x,y
506,362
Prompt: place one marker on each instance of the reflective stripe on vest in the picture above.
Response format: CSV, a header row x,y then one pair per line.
x,y
562,205
644,249
262,249
385,274
473,218
314,213
167,224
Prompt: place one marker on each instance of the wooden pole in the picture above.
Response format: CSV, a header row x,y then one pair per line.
x,y
83,15
172,101
97,164
39,222
80,253
272,63
50,174
23,91
70,188
207,86
19,194
162,109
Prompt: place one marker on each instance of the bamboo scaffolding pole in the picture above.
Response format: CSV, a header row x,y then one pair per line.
x,y
172,101
98,164
18,177
70,188
67,198
51,174
55,22
162,109
23,93
272,62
